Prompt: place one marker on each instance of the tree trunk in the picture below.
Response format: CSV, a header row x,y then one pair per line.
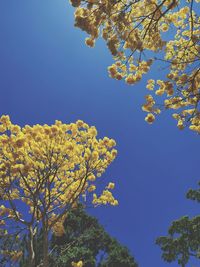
x,y
31,248
45,249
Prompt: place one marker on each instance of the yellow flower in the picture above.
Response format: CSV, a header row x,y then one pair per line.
x,y
91,188
111,186
180,124
90,42
77,264
150,118
164,27
130,79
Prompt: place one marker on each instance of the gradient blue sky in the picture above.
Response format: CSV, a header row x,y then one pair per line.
x,y
47,73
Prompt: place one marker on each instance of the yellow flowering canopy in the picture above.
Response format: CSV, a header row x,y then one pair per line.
x,y
45,170
135,32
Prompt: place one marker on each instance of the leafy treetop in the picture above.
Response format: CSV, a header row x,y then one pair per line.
x,y
86,239
183,239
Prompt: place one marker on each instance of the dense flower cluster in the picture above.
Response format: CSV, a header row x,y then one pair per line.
x,y
49,169
134,31
77,264
105,198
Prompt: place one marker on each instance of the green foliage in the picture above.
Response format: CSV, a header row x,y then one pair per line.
x,y
86,240
194,194
117,255
183,240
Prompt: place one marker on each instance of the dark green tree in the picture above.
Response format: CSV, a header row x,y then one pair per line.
x,y
183,239
85,239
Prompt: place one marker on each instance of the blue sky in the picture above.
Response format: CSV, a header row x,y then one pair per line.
x,y
47,73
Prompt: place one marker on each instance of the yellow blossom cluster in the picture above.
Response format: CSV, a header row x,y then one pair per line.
x,y
180,93
49,168
57,228
106,197
149,107
135,33
77,264
110,186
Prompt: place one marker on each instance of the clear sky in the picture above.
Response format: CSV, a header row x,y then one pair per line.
x,y
47,73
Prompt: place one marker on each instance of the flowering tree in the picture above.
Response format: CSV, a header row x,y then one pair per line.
x,y
44,172
138,33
